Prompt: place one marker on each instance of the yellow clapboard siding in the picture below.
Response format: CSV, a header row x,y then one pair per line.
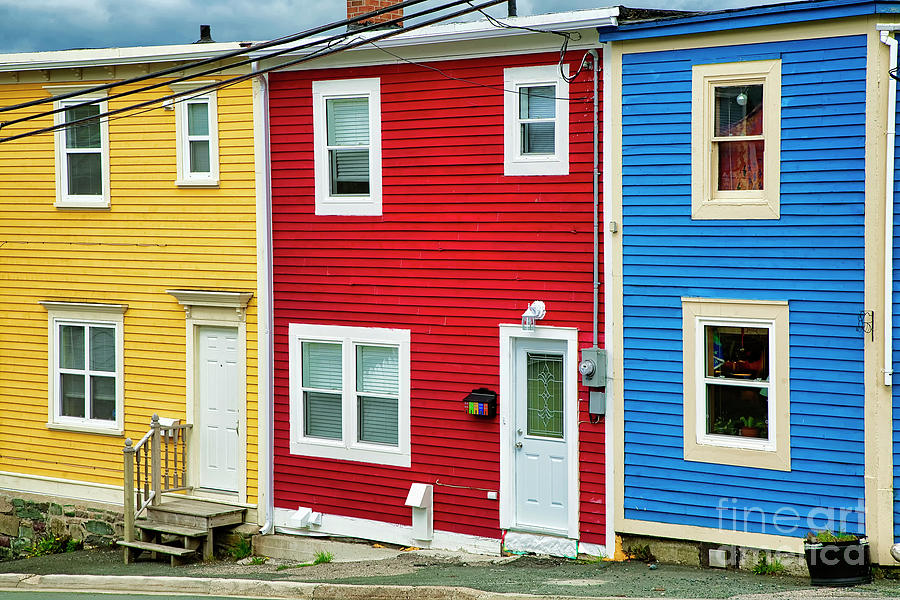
x,y
154,236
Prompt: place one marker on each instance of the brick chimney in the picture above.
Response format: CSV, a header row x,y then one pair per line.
x,y
356,8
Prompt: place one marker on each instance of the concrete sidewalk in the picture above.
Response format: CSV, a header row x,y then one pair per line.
x,y
372,571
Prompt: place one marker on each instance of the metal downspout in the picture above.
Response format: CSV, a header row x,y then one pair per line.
x,y
596,191
264,284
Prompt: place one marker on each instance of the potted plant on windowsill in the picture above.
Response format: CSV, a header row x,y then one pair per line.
x,y
837,560
751,426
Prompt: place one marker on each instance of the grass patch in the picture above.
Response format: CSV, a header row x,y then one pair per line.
x,y
242,549
764,567
55,545
322,556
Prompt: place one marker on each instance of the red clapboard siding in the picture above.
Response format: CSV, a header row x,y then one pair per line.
x,y
459,249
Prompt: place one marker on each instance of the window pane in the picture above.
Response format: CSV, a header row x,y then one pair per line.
x,y
71,347
199,157
103,398
322,366
349,171
348,121
739,110
739,411
378,370
85,174
103,349
71,395
545,395
737,352
378,420
86,134
741,165
537,102
198,118
322,415
538,138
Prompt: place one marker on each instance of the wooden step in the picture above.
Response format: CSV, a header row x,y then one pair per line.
x,y
132,549
169,528
196,514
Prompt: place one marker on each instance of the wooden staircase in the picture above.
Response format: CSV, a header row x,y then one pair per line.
x,y
181,529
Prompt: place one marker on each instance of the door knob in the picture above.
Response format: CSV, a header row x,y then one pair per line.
x,y
518,444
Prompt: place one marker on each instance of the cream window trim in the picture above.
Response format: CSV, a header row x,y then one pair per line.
x,y
186,178
774,453
84,314
65,199
356,204
706,201
515,162
349,447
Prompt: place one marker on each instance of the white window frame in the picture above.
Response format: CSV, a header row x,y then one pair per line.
x,y
84,314
184,176
348,448
771,453
514,162
326,203
707,202
63,198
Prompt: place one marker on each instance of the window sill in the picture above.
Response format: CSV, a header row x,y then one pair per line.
x,y
354,208
110,431
208,183
102,204
341,452
736,209
552,165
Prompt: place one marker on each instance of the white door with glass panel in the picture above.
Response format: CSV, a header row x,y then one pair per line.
x,y
216,430
539,436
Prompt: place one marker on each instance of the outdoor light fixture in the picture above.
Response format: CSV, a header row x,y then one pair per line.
x,y
535,311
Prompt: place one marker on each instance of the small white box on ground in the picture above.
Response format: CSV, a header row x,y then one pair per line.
x,y
420,498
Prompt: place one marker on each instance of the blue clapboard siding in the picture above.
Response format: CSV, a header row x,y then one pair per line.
x,y
812,257
895,358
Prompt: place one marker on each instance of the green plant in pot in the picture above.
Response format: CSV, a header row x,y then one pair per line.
x,y
751,426
837,559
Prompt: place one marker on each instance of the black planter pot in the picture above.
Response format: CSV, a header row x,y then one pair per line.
x,y
839,564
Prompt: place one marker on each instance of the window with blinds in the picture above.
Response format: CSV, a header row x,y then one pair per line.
x,y
347,146
82,153
535,121
350,393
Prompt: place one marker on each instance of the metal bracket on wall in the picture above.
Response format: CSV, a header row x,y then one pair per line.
x,y
867,322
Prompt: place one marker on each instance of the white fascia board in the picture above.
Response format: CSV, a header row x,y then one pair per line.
x,y
481,30
68,59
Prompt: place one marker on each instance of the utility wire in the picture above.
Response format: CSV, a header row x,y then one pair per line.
x,y
318,42
252,48
240,78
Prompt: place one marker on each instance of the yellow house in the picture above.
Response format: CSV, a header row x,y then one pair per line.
x,y
128,269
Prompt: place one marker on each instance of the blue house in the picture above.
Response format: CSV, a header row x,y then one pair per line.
x,y
750,233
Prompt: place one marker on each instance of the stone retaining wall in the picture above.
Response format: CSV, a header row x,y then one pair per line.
x,y
25,519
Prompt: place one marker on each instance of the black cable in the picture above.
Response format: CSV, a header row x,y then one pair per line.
x,y
260,46
240,78
102,87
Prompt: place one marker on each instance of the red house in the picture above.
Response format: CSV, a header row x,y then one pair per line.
x,y
426,191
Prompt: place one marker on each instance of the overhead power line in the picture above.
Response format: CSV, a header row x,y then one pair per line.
x,y
237,79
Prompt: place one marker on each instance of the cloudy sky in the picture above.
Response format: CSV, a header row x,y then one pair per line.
x,y
37,25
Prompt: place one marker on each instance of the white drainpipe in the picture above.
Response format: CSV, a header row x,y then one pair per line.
x,y
888,320
265,396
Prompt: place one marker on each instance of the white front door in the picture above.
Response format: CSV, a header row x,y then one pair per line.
x,y
540,447
218,411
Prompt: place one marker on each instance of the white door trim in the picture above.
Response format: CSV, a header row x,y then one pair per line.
x,y
508,334
219,310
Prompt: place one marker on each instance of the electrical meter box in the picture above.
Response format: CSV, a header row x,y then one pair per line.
x,y
593,367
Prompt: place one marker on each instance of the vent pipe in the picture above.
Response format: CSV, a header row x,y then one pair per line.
x,y
205,37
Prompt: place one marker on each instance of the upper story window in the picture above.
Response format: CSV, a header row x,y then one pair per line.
x,y
350,393
736,140
196,130
347,146
736,382
82,151
536,121
86,354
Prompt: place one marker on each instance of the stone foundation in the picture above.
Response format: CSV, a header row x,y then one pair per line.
x,y
27,518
